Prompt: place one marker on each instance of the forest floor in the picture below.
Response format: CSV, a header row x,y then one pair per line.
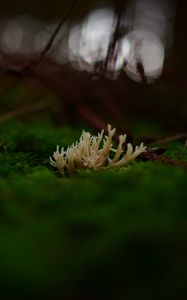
x,y
110,234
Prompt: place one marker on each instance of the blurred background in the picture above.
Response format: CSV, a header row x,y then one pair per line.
x,y
84,64
125,59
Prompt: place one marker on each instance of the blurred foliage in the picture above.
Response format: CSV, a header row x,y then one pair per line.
x,y
111,234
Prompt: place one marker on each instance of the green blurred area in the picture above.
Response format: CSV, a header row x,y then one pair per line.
x,y
110,234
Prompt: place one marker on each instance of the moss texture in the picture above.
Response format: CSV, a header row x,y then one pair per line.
x,y
111,235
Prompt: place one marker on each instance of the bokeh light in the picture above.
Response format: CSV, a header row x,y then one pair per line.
x,y
148,32
11,37
147,49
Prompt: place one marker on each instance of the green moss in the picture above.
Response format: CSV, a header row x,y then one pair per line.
x,y
110,234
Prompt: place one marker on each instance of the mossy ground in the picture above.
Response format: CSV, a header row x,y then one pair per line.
x,y
110,234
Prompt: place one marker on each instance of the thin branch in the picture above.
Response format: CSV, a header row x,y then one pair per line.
x,y
169,139
141,72
24,110
151,156
183,151
52,38
116,35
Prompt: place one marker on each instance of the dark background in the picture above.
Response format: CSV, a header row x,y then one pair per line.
x,y
165,101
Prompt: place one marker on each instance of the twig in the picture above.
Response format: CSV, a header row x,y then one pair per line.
x,y
141,72
151,156
87,114
169,139
52,38
183,151
116,35
24,110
